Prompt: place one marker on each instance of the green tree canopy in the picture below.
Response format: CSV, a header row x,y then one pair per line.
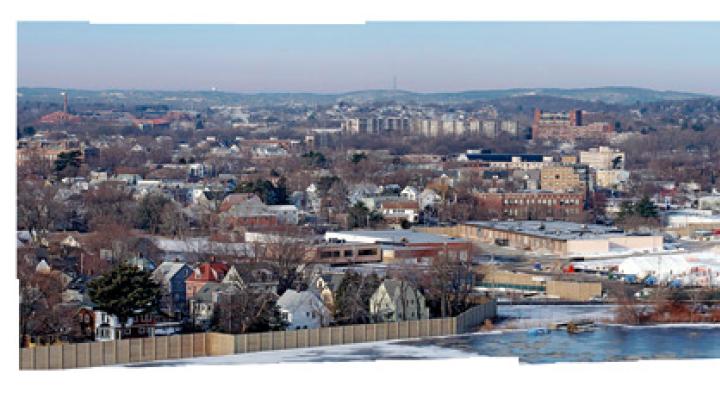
x,y
358,157
314,159
68,162
268,192
360,216
646,208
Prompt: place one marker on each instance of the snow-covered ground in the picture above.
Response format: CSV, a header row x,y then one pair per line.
x,y
390,350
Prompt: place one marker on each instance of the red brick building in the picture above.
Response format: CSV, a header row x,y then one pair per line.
x,y
534,205
566,125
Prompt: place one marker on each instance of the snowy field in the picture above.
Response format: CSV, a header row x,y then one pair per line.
x,y
390,350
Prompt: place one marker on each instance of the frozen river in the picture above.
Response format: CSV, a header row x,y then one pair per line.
x,y
607,343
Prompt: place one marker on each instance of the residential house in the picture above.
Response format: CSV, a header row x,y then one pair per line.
x,y
171,276
242,209
409,193
429,198
303,310
202,305
397,300
258,280
325,286
203,274
107,327
395,211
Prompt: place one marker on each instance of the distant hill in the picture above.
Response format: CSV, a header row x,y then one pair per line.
x,y
607,95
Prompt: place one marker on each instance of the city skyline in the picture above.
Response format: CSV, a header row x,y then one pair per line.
x,y
376,55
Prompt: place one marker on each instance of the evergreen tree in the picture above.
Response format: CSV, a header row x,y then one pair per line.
x,y
269,193
68,163
645,208
124,292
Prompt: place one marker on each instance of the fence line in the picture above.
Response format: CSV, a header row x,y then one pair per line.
x,y
93,354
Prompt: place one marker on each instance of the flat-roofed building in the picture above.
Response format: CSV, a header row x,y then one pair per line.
x,y
407,246
345,253
534,205
603,158
564,178
561,238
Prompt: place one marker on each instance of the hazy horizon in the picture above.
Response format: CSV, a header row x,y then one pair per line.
x,y
426,57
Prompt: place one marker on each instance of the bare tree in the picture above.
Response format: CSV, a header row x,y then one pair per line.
x,y
246,311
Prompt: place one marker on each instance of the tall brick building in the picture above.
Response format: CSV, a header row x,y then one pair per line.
x,y
566,125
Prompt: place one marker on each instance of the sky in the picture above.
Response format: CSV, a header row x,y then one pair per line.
x,y
422,56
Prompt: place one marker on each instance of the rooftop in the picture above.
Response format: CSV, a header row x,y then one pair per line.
x,y
391,237
560,230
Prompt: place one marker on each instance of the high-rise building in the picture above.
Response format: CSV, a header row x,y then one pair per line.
x,y
566,125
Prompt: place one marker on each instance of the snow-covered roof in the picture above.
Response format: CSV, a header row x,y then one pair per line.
x,y
202,246
292,300
169,269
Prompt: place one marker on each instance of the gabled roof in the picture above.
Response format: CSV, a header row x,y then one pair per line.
x,y
292,300
214,271
43,266
393,286
233,277
168,270
209,291
240,199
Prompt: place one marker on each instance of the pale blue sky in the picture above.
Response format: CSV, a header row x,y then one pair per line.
x,y
332,58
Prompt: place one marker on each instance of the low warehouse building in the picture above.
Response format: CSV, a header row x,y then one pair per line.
x,y
562,238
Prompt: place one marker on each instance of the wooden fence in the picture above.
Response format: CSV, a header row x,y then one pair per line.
x,y
66,356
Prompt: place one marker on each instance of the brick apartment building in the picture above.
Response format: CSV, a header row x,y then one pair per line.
x,y
534,205
566,125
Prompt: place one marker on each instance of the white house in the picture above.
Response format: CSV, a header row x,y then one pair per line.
x,y
399,210
429,198
303,310
409,193
396,300
107,326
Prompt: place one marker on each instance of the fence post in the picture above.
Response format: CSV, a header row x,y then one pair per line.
x,y
240,344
